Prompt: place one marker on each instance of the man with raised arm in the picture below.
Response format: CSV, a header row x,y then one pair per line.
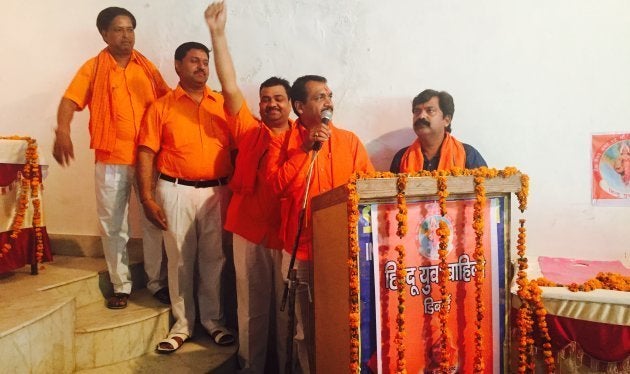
x,y
253,214
117,85
337,154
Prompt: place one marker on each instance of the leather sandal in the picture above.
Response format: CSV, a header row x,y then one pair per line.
x,y
172,343
118,301
222,336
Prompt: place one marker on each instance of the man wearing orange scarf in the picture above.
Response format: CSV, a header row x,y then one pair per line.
x,y
435,148
253,214
117,85
340,155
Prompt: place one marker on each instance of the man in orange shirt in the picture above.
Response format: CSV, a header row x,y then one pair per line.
x,y
187,133
340,155
253,214
117,85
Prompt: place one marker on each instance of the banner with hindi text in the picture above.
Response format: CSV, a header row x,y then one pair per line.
x,y
379,296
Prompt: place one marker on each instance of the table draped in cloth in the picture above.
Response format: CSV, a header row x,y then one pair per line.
x,y
12,159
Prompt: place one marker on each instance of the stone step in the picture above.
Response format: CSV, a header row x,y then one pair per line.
x,y
198,355
37,335
106,336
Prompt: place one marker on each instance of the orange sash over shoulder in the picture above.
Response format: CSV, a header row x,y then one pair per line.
x,y
452,154
102,112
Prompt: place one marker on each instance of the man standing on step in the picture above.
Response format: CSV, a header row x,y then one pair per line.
x,y
253,214
185,131
117,85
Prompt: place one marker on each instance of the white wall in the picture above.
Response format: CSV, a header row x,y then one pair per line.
x,y
531,82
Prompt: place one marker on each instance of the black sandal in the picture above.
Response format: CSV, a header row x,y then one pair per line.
x,y
118,301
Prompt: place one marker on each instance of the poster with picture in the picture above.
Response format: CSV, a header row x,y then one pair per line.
x,y
610,162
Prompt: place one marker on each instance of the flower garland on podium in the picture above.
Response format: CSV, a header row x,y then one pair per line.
x,y
30,184
443,233
401,272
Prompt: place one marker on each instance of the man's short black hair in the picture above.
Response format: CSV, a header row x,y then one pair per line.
x,y
107,15
447,106
183,49
298,90
276,81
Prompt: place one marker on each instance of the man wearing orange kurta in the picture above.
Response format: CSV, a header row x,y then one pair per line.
x,y
187,132
117,85
341,155
435,148
253,214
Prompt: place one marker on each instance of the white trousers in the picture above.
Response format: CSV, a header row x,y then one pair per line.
x,y
113,184
153,253
194,240
303,317
259,287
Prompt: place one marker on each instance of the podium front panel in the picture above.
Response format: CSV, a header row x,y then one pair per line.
x,y
378,292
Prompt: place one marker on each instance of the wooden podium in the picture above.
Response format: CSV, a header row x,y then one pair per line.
x,y
377,208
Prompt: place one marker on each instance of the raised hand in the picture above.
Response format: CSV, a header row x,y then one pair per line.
x,y
216,16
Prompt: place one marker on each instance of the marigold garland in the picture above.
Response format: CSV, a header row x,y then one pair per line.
x,y
353,270
30,181
602,281
479,256
524,321
401,273
443,274
531,305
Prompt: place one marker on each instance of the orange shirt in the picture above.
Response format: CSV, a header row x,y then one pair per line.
x,y
255,214
131,93
340,157
191,140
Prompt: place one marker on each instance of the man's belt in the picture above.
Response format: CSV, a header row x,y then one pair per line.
x,y
196,184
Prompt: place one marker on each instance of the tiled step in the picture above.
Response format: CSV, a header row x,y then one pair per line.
x,y
105,336
41,338
57,322
198,355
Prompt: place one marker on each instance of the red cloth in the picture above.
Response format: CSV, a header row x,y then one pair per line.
x,y
452,154
23,249
8,173
599,340
254,210
287,166
602,341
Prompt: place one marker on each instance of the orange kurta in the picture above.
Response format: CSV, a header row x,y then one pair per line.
x,y
191,140
254,210
340,157
130,91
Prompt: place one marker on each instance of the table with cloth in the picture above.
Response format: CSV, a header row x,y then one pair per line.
x,y
24,247
590,331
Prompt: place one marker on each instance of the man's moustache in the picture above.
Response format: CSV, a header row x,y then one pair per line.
x,y
422,122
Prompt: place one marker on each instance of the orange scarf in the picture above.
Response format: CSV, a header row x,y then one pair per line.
x,y
250,152
452,154
102,112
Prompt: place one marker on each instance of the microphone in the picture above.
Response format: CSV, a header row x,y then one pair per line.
x,y
326,117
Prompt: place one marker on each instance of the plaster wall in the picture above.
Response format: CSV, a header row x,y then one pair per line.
x,y
531,81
